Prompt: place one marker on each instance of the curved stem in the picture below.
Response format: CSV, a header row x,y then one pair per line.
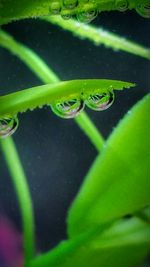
x,y
99,36
86,124
29,57
37,65
22,191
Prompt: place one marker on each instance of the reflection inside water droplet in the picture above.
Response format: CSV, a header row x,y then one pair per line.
x,y
143,10
70,4
66,16
68,109
122,5
86,16
100,102
8,126
55,8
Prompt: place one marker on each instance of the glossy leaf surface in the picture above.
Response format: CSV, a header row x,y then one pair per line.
x,y
119,180
125,244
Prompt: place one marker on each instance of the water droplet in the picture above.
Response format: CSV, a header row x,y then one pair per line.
x,y
65,16
70,4
55,8
86,16
31,109
100,102
122,5
41,106
68,109
143,10
8,125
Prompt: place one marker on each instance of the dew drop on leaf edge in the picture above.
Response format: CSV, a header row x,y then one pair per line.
x,y
100,102
66,16
68,109
86,16
122,5
143,10
70,4
55,8
8,126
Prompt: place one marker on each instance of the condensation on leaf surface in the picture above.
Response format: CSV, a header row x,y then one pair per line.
x,y
87,16
143,10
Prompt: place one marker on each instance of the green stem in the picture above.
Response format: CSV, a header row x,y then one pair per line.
x,y
23,194
86,124
99,36
38,66
33,62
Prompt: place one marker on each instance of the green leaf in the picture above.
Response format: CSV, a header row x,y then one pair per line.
x,y
119,181
52,93
125,244
99,36
14,9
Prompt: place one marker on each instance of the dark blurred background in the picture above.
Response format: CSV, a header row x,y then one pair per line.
x,y
54,152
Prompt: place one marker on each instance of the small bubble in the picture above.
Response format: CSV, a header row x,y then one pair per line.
x,y
8,126
86,16
122,5
100,102
68,109
55,8
143,10
70,4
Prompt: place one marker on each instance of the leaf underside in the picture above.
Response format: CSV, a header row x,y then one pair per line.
x,y
13,10
52,93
